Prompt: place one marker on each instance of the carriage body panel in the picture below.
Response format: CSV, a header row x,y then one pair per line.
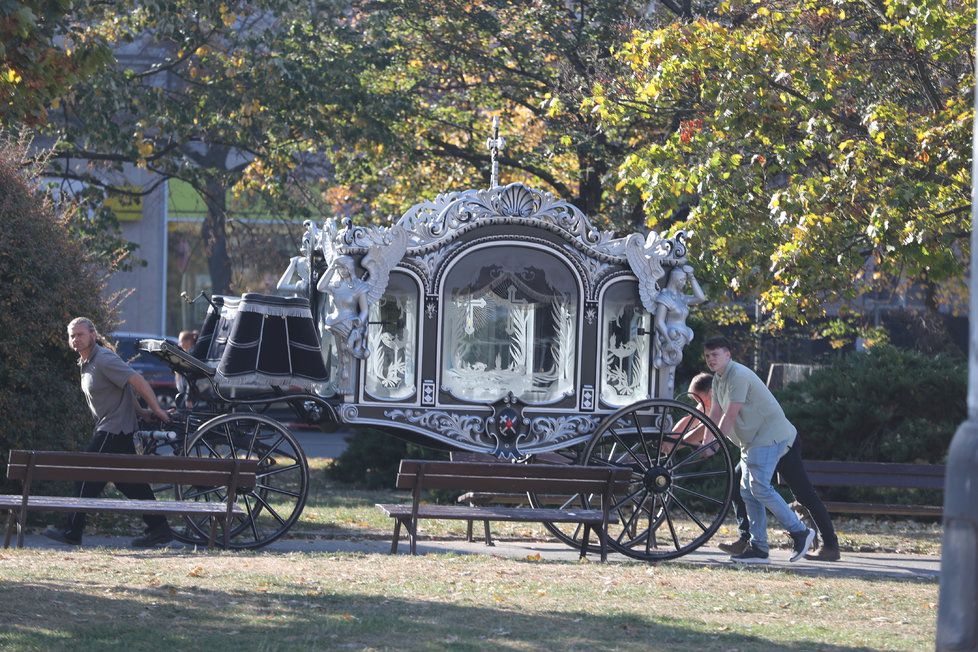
x,y
507,323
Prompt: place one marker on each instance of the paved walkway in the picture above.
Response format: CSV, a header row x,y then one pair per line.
x,y
854,564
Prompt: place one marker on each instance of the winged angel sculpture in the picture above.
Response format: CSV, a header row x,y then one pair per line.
x,y
669,305
351,295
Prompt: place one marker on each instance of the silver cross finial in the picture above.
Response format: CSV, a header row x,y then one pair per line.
x,y
494,144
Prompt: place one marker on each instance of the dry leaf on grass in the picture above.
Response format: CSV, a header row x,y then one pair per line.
x,y
196,571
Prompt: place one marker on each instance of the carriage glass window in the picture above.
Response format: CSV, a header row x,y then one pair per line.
x,y
624,360
509,324
392,339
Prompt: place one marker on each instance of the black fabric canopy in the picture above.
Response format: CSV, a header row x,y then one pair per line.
x,y
272,342
213,337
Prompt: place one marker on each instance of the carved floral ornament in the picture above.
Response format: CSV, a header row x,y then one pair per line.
x,y
431,225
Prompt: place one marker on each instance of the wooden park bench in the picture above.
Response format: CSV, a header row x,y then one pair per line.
x,y
32,466
877,474
418,475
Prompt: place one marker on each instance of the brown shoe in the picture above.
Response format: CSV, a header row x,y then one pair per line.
x,y
824,554
737,547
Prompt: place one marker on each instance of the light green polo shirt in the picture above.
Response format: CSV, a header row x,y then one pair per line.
x,y
761,421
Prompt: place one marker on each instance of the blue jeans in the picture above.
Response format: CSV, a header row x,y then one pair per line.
x,y
757,468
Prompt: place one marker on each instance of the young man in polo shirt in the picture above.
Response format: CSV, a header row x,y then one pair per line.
x,y
746,412
110,387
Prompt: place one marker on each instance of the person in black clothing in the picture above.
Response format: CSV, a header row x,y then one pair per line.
x,y
791,468
110,387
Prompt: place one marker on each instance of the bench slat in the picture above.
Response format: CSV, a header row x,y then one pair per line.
x,y
525,514
495,470
879,508
134,476
122,461
508,485
119,506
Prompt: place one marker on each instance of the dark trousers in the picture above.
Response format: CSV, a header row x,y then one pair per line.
x,y
792,471
120,443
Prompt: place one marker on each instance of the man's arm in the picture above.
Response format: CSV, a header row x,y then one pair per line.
x,y
146,392
729,418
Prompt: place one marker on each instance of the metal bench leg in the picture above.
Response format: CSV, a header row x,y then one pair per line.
x,y
21,526
603,538
397,535
213,534
585,540
10,528
488,535
468,531
412,529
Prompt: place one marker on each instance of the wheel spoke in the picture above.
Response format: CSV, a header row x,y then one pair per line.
x,y
697,494
672,528
285,492
207,444
689,458
641,436
253,518
628,449
699,474
269,508
628,524
277,470
271,450
629,497
231,447
688,513
254,438
202,492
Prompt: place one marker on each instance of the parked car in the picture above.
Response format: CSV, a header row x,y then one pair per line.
x,y
159,376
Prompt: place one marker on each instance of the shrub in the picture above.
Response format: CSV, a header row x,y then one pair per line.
x,y
886,405
372,457
46,278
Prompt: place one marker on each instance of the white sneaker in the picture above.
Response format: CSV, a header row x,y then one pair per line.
x,y
803,541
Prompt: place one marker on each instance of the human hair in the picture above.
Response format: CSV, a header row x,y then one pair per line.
x,y
716,342
701,383
90,325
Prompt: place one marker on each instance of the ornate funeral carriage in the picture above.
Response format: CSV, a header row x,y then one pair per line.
x,y
494,321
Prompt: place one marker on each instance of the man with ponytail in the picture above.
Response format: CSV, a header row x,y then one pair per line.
x,y
110,387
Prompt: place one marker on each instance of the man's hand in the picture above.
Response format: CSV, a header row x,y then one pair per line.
x,y
146,392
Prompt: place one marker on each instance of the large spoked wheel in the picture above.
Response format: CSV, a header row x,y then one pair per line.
x,y
280,492
682,478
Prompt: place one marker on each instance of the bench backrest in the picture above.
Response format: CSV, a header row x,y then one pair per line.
x,y
875,474
505,477
101,467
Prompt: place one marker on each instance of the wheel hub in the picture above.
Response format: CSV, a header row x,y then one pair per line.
x,y
657,479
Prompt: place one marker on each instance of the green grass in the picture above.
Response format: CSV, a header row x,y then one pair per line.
x,y
133,601
125,600
335,510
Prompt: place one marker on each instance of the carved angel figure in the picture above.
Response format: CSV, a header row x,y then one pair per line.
x,y
672,308
645,259
296,276
352,295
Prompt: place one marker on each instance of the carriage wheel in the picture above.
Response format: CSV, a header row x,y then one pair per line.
x,y
681,485
282,483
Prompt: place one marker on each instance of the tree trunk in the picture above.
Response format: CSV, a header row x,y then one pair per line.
x,y
589,185
213,232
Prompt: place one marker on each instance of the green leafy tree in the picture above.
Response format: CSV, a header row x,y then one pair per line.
x,y
47,277
455,65
239,96
821,149
46,46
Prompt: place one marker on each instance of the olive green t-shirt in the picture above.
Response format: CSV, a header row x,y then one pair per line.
x,y
105,383
761,421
